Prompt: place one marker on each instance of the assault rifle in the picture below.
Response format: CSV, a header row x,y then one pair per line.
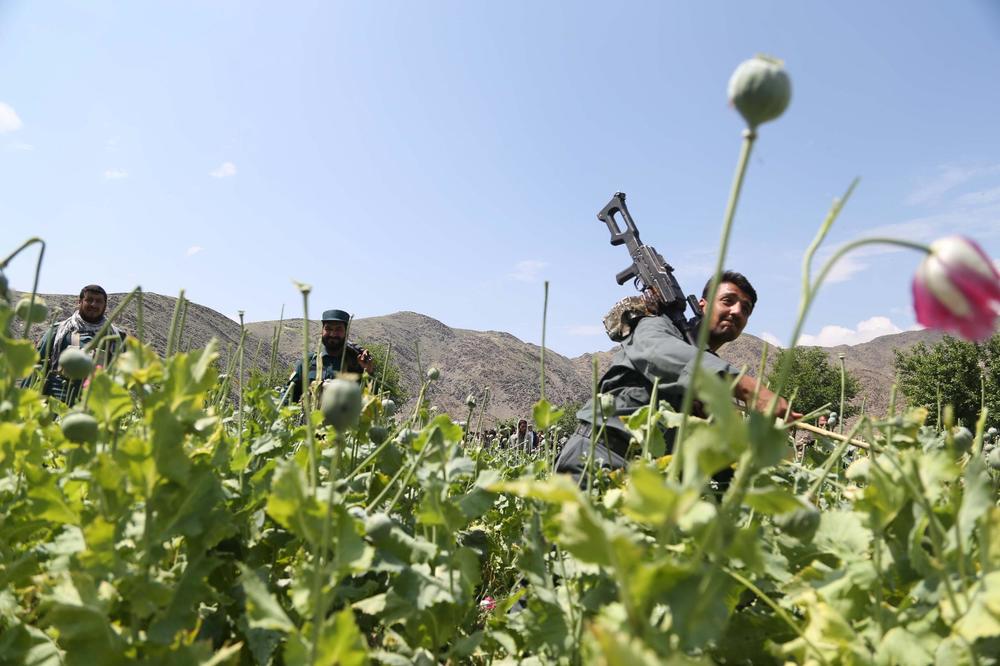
x,y
649,270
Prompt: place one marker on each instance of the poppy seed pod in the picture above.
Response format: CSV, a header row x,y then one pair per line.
x,y
957,288
341,403
80,428
31,312
760,90
74,363
607,405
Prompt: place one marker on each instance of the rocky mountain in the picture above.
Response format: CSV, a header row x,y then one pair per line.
x,y
470,361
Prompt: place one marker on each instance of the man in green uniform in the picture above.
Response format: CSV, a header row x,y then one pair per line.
x,y
655,349
334,337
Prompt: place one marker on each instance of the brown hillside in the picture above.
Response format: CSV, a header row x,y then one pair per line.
x,y
469,360
201,324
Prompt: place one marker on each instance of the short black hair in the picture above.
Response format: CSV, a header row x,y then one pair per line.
x,y
94,289
739,280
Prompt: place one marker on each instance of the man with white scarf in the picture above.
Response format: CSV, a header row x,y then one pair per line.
x,y
76,331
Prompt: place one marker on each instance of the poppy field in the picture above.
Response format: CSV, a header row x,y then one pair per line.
x,y
170,535
175,516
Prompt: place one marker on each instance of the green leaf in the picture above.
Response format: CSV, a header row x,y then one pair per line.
x,y
977,499
476,502
340,641
698,607
76,611
652,500
557,489
843,534
49,503
584,534
167,438
545,416
25,644
899,646
289,505
450,432
182,611
263,610
768,443
350,552
108,400
18,355
982,619
772,500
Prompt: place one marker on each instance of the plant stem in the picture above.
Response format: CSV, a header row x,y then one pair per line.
x,y
239,402
676,461
545,311
306,397
809,296
653,407
843,389
833,458
38,271
172,331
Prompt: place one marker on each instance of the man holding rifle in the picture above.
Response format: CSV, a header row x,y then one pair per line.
x,y
334,338
658,344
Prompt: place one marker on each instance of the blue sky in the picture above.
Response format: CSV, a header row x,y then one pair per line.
x,y
448,157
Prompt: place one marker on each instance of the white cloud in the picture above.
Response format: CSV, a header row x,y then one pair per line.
x,y
770,338
115,174
586,330
980,198
980,221
193,250
527,270
869,329
225,170
20,147
949,177
9,120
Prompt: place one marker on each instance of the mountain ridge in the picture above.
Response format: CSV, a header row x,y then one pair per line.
x,y
469,360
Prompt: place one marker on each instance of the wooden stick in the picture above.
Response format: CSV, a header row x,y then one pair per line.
x,y
832,435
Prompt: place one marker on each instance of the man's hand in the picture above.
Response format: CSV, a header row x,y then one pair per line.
x,y
366,361
748,386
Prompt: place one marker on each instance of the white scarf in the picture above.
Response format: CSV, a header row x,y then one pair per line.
x,y
77,324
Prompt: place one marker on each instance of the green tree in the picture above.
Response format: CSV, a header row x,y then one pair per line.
x,y
388,379
816,380
965,375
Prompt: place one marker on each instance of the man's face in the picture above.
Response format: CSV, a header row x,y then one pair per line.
x,y
92,306
729,316
334,334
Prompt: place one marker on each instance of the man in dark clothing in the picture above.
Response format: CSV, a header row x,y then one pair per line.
x,y
76,331
656,349
334,337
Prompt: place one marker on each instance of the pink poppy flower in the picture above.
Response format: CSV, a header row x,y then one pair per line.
x,y
488,604
957,289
